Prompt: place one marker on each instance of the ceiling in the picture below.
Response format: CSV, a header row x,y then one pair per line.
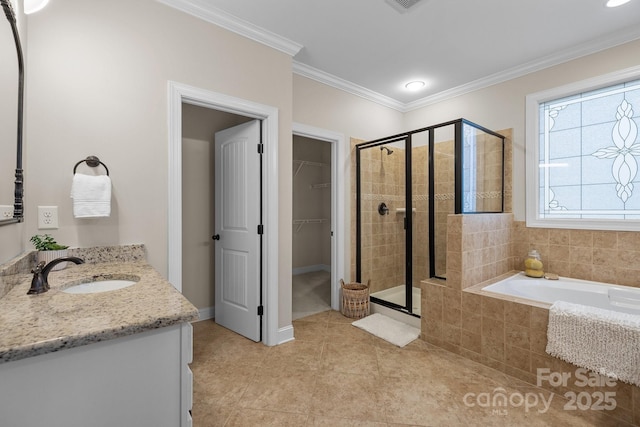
x,y
369,48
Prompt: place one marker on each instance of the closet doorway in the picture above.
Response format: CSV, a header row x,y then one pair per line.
x,y
312,233
321,181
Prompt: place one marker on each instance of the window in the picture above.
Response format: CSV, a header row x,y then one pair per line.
x,y
583,154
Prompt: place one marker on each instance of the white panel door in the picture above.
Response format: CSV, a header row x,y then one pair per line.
x,y
237,217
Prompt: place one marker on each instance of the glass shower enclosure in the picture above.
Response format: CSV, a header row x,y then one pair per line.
x,y
406,186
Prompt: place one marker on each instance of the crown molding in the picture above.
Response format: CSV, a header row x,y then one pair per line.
x,y
593,46
588,48
345,85
200,9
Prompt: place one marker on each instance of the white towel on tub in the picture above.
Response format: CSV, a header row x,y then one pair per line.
x,y
91,196
603,341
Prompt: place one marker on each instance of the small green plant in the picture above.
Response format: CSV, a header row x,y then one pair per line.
x,y
44,242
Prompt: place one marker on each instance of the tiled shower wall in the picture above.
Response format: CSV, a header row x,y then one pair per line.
x,y
420,203
383,236
383,243
383,246
444,164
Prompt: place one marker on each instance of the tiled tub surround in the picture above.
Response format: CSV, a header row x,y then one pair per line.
x,y
512,337
38,324
601,256
510,334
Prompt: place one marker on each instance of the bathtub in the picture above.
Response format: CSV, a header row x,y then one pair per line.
x,y
624,299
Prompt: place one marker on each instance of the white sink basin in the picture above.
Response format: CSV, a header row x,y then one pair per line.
x,y
105,285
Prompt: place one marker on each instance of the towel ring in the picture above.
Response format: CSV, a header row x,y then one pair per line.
x,y
92,161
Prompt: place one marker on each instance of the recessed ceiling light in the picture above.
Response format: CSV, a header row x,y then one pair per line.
x,y
616,3
415,85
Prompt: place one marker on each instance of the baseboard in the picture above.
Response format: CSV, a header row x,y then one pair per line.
x,y
206,313
311,268
285,335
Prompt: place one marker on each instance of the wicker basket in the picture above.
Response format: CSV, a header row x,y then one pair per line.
x,y
355,299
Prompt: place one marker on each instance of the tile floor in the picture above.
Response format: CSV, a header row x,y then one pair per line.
x,y
334,374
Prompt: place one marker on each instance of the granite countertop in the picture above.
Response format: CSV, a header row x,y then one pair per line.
x,y
31,325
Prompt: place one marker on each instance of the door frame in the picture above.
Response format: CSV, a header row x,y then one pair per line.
x,y
338,172
179,93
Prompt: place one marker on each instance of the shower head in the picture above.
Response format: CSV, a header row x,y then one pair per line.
x,y
389,151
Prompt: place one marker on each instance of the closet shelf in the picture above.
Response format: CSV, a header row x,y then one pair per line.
x,y
302,163
323,185
301,222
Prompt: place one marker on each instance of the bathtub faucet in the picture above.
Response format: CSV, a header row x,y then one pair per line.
x,y
39,282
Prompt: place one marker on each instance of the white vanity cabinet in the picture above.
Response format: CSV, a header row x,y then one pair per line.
x,y
138,380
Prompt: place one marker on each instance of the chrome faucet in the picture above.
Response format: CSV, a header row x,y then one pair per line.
x,y
39,282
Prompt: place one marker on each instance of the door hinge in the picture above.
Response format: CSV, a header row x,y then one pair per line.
x,y
260,310
261,229
260,148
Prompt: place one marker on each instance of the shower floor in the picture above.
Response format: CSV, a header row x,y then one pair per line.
x,y
397,295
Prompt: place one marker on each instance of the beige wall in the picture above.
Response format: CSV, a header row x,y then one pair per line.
x,y
97,84
321,106
501,106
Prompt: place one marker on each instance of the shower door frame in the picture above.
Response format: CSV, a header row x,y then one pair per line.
x,y
408,219
408,224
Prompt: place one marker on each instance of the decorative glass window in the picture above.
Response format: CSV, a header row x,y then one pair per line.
x,y
583,153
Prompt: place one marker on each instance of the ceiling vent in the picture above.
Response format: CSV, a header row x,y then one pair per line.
x,y
403,6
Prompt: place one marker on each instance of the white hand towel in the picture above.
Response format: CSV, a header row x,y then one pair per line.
x,y
91,196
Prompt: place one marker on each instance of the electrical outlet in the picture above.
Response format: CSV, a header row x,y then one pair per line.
x,y
6,212
47,217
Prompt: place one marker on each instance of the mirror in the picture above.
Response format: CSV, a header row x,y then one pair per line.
x,y
11,117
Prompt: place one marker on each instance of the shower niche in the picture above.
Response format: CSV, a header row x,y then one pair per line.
x,y
406,186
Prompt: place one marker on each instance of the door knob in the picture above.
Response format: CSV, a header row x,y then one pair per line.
x,y
216,237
